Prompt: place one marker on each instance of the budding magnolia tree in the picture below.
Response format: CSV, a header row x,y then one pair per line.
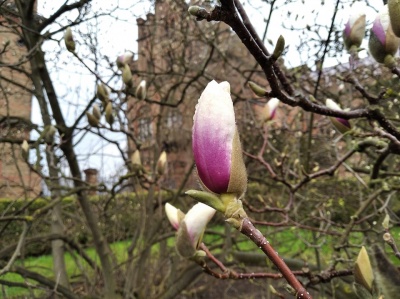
x,y
217,148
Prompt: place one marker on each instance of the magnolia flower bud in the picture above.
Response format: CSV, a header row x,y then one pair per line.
x,y
162,163
126,58
363,274
69,40
341,124
383,44
141,90
394,13
216,146
269,110
136,160
175,216
127,75
191,228
354,30
109,114
103,93
25,148
93,121
96,111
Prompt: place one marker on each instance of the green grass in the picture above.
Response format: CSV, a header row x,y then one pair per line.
x,y
290,242
43,265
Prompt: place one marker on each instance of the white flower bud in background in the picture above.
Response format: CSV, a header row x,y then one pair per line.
x,y
25,148
162,163
136,160
141,90
127,75
69,40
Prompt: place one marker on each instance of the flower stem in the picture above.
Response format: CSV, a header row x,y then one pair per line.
x,y
257,237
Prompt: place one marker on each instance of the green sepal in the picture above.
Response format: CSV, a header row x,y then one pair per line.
x,y
208,199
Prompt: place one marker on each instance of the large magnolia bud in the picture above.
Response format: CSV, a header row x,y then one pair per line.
x,y
216,145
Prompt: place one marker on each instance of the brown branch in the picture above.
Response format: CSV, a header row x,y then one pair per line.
x,y
257,237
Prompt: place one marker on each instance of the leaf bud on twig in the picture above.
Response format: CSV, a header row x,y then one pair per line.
x,y
279,47
257,89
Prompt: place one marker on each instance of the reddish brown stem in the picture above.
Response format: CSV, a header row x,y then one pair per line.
x,y
257,237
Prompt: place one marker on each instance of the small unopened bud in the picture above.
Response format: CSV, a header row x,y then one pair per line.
x,y
136,160
69,40
257,89
25,148
93,121
386,221
141,90
162,163
102,93
96,111
109,114
363,274
279,47
127,75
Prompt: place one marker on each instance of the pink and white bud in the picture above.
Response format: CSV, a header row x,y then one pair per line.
x,y
123,59
216,145
383,44
191,229
354,30
341,124
269,110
